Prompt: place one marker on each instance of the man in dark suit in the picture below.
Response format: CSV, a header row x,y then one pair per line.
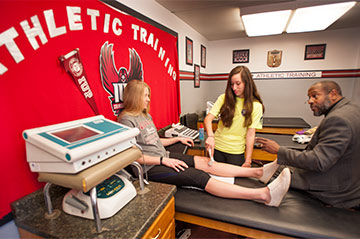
x,y
329,167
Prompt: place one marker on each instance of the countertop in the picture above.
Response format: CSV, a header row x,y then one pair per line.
x,y
132,221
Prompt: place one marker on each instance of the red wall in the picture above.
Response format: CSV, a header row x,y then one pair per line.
x,y
35,90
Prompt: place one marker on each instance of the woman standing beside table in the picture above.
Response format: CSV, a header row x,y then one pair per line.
x,y
241,112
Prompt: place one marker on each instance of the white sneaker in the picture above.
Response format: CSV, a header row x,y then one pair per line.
x,y
279,187
268,171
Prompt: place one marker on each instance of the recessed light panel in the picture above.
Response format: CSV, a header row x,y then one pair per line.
x,y
317,18
268,23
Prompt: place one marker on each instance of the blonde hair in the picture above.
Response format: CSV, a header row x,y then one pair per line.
x,y
134,98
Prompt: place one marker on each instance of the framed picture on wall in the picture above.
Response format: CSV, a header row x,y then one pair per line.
x,y
241,56
196,76
315,52
203,56
189,51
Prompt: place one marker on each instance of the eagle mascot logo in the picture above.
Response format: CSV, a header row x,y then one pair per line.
x,y
114,81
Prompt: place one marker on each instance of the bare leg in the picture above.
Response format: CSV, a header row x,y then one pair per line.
x,y
226,190
226,170
272,195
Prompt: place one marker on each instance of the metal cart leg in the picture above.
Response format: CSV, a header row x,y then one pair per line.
x,y
95,209
47,198
50,213
141,174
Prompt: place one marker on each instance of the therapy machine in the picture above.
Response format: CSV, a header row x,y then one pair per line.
x,y
76,145
112,195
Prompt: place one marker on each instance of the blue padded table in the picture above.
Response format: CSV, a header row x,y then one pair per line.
x,y
299,215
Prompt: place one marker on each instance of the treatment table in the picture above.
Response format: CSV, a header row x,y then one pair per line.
x,y
299,215
258,154
274,125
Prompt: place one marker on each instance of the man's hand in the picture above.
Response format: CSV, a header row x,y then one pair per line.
x,y
268,145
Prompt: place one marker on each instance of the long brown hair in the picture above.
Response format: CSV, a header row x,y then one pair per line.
x,y
251,94
134,98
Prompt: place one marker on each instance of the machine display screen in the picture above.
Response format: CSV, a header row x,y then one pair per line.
x,y
75,134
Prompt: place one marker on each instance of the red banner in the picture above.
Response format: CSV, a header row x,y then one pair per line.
x,y
36,91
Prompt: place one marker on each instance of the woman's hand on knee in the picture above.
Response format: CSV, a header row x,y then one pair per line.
x,y
175,164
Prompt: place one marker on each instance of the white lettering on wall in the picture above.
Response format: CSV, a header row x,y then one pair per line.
x,y
7,38
136,29
106,23
35,32
161,54
50,22
174,75
143,35
117,31
156,44
31,33
167,61
150,40
74,18
93,14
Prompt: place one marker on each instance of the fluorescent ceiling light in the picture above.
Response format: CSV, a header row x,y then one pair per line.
x,y
268,23
317,18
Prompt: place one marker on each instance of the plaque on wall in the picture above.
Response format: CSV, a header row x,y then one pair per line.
x,y
274,58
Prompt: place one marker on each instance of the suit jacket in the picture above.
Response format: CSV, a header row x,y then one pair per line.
x,y
329,167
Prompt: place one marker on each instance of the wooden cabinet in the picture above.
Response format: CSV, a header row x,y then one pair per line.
x,y
26,234
273,130
214,125
164,224
170,231
259,154
196,152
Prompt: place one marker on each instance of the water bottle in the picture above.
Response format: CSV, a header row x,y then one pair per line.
x,y
201,132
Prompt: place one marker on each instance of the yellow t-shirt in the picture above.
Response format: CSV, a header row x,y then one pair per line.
x,y
232,140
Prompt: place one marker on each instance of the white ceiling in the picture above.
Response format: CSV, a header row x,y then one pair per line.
x,y
220,19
